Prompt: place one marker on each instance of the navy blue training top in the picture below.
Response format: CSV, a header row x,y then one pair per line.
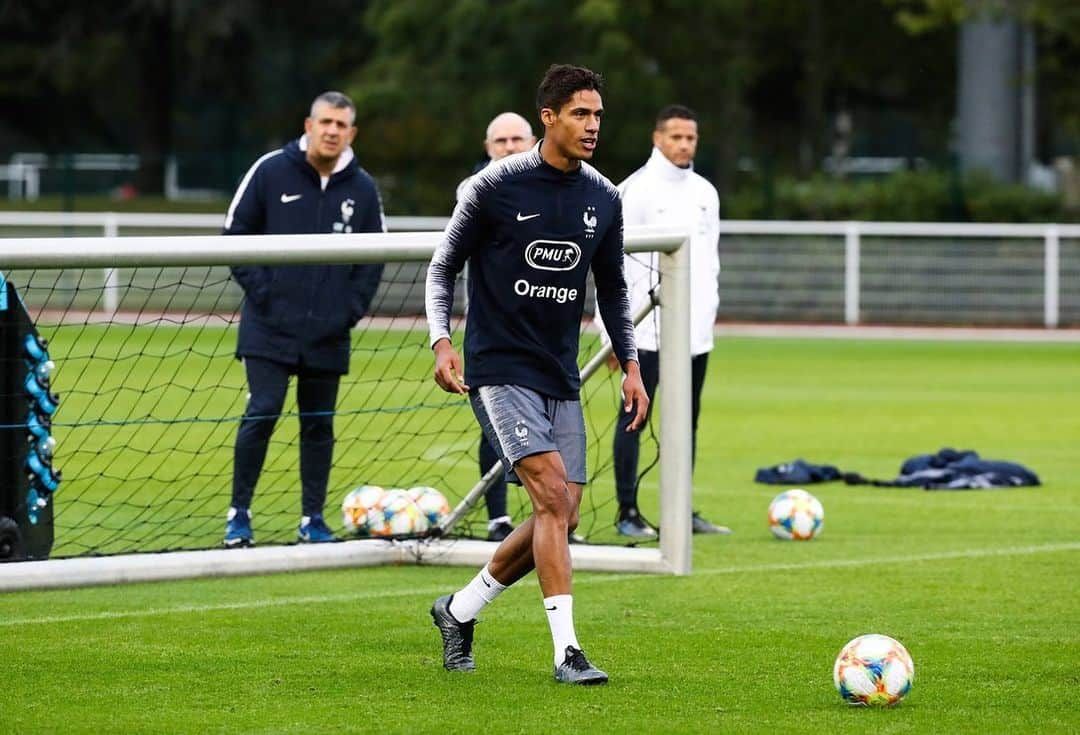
x,y
302,314
530,233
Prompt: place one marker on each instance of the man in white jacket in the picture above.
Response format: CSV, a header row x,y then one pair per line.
x,y
666,191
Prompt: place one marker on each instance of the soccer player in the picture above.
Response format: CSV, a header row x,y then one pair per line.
x,y
667,191
507,133
530,226
296,318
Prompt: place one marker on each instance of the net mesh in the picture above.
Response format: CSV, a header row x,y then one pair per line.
x,y
151,396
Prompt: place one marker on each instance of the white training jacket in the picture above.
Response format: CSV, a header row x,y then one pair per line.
x,y
661,193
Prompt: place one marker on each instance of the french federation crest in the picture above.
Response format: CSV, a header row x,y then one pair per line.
x,y
347,208
521,431
589,218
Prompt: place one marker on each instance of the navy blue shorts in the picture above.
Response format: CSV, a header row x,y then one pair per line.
x,y
520,422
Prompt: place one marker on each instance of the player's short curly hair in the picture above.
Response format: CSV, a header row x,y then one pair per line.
x,y
561,82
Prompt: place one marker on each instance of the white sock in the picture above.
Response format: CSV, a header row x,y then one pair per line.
x,y
560,613
473,597
496,521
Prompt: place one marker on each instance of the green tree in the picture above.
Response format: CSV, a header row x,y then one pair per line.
x,y
1057,25
764,75
155,77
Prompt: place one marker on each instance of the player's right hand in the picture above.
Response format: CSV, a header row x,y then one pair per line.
x,y
448,369
635,399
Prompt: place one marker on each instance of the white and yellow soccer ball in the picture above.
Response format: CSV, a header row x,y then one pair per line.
x,y
873,671
796,515
431,502
396,515
358,505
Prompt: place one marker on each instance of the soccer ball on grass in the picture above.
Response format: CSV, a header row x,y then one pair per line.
x,y
796,515
431,503
396,515
873,671
358,505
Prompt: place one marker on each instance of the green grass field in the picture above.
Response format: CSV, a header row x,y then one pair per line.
x,y
980,586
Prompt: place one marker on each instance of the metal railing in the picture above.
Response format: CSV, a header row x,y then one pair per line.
x,y
852,234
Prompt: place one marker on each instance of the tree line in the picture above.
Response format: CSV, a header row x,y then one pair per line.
x,y
227,80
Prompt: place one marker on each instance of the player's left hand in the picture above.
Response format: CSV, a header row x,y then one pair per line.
x,y
634,396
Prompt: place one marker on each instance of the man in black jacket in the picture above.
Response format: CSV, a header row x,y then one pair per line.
x,y
295,319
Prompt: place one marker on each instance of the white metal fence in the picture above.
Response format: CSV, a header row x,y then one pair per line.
x,y
1033,237
850,272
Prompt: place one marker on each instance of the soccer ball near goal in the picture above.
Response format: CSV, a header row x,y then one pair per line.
x,y
431,502
873,671
358,506
796,515
396,515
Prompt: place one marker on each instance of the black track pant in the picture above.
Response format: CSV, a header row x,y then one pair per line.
x,y
316,397
627,446
495,497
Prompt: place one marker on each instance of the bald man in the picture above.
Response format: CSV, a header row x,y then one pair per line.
x,y
507,133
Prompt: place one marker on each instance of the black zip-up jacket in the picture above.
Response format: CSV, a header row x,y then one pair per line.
x,y
530,234
302,314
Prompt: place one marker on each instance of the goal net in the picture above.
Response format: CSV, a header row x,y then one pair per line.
x,y
142,332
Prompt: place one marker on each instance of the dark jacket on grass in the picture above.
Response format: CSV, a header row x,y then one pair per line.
x,y
948,469
302,314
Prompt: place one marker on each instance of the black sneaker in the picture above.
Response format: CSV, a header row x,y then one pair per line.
x,y
499,531
456,637
576,669
700,525
630,523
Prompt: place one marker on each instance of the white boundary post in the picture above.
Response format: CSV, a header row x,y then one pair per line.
x,y
675,417
1052,281
851,272
110,297
99,570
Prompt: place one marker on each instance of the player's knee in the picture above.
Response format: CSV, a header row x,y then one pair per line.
x,y
553,500
574,520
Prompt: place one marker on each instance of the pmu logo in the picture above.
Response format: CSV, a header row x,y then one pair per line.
x,y
552,255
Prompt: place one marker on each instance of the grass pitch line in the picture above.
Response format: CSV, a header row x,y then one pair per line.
x,y
221,606
433,591
931,556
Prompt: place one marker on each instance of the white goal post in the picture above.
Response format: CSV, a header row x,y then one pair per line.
x,y
672,557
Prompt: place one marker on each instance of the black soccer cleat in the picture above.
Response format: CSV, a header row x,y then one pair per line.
x,y
700,525
631,523
576,669
456,637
